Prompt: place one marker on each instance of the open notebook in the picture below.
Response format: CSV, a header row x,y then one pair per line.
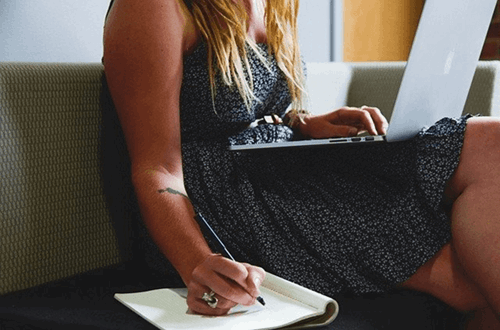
x,y
288,306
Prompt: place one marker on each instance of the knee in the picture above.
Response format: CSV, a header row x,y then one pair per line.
x,y
480,157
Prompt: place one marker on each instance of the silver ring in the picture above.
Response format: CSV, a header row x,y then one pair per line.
x,y
210,299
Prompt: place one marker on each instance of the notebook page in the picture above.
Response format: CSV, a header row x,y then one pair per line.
x,y
167,309
294,291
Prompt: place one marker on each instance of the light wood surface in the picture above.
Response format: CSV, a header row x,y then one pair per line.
x,y
379,30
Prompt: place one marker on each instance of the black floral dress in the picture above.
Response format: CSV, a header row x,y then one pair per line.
x,y
339,219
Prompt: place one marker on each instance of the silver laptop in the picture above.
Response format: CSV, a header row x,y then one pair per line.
x,y
438,74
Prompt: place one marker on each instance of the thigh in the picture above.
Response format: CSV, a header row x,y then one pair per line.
x,y
443,278
480,156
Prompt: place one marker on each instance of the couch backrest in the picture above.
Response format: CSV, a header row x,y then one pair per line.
x,y
54,221
335,84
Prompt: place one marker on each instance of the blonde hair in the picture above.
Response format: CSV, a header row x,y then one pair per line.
x,y
223,24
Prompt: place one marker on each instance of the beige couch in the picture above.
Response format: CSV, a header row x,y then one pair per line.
x,y
55,219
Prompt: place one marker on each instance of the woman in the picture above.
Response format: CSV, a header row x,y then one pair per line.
x,y
188,77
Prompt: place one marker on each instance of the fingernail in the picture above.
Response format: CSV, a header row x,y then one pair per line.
x,y
257,281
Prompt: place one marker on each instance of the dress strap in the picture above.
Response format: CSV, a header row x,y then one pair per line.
x,y
189,3
109,8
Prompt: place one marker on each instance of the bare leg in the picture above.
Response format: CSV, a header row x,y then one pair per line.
x,y
476,244
476,211
466,273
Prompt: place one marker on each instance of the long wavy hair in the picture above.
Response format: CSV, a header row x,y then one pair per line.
x,y
223,24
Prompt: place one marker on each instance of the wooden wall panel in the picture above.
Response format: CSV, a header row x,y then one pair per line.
x,y
380,30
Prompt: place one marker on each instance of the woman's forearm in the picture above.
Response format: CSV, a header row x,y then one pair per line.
x,y
169,217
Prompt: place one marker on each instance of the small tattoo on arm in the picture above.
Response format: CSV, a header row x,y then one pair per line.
x,y
173,192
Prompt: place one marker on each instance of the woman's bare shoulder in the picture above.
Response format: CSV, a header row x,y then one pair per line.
x,y
165,19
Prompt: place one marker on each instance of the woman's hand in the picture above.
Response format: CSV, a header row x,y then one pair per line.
x,y
344,122
233,283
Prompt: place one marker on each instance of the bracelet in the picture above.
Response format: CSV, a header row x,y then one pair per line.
x,y
270,119
293,116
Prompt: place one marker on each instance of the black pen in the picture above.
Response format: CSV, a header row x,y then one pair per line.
x,y
223,250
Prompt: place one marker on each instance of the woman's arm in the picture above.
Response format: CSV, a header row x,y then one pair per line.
x,y
144,45
143,49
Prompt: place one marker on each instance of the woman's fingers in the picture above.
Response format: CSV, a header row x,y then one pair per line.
x,y
226,278
198,305
354,117
254,279
362,119
232,282
379,120
344,130
245,276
